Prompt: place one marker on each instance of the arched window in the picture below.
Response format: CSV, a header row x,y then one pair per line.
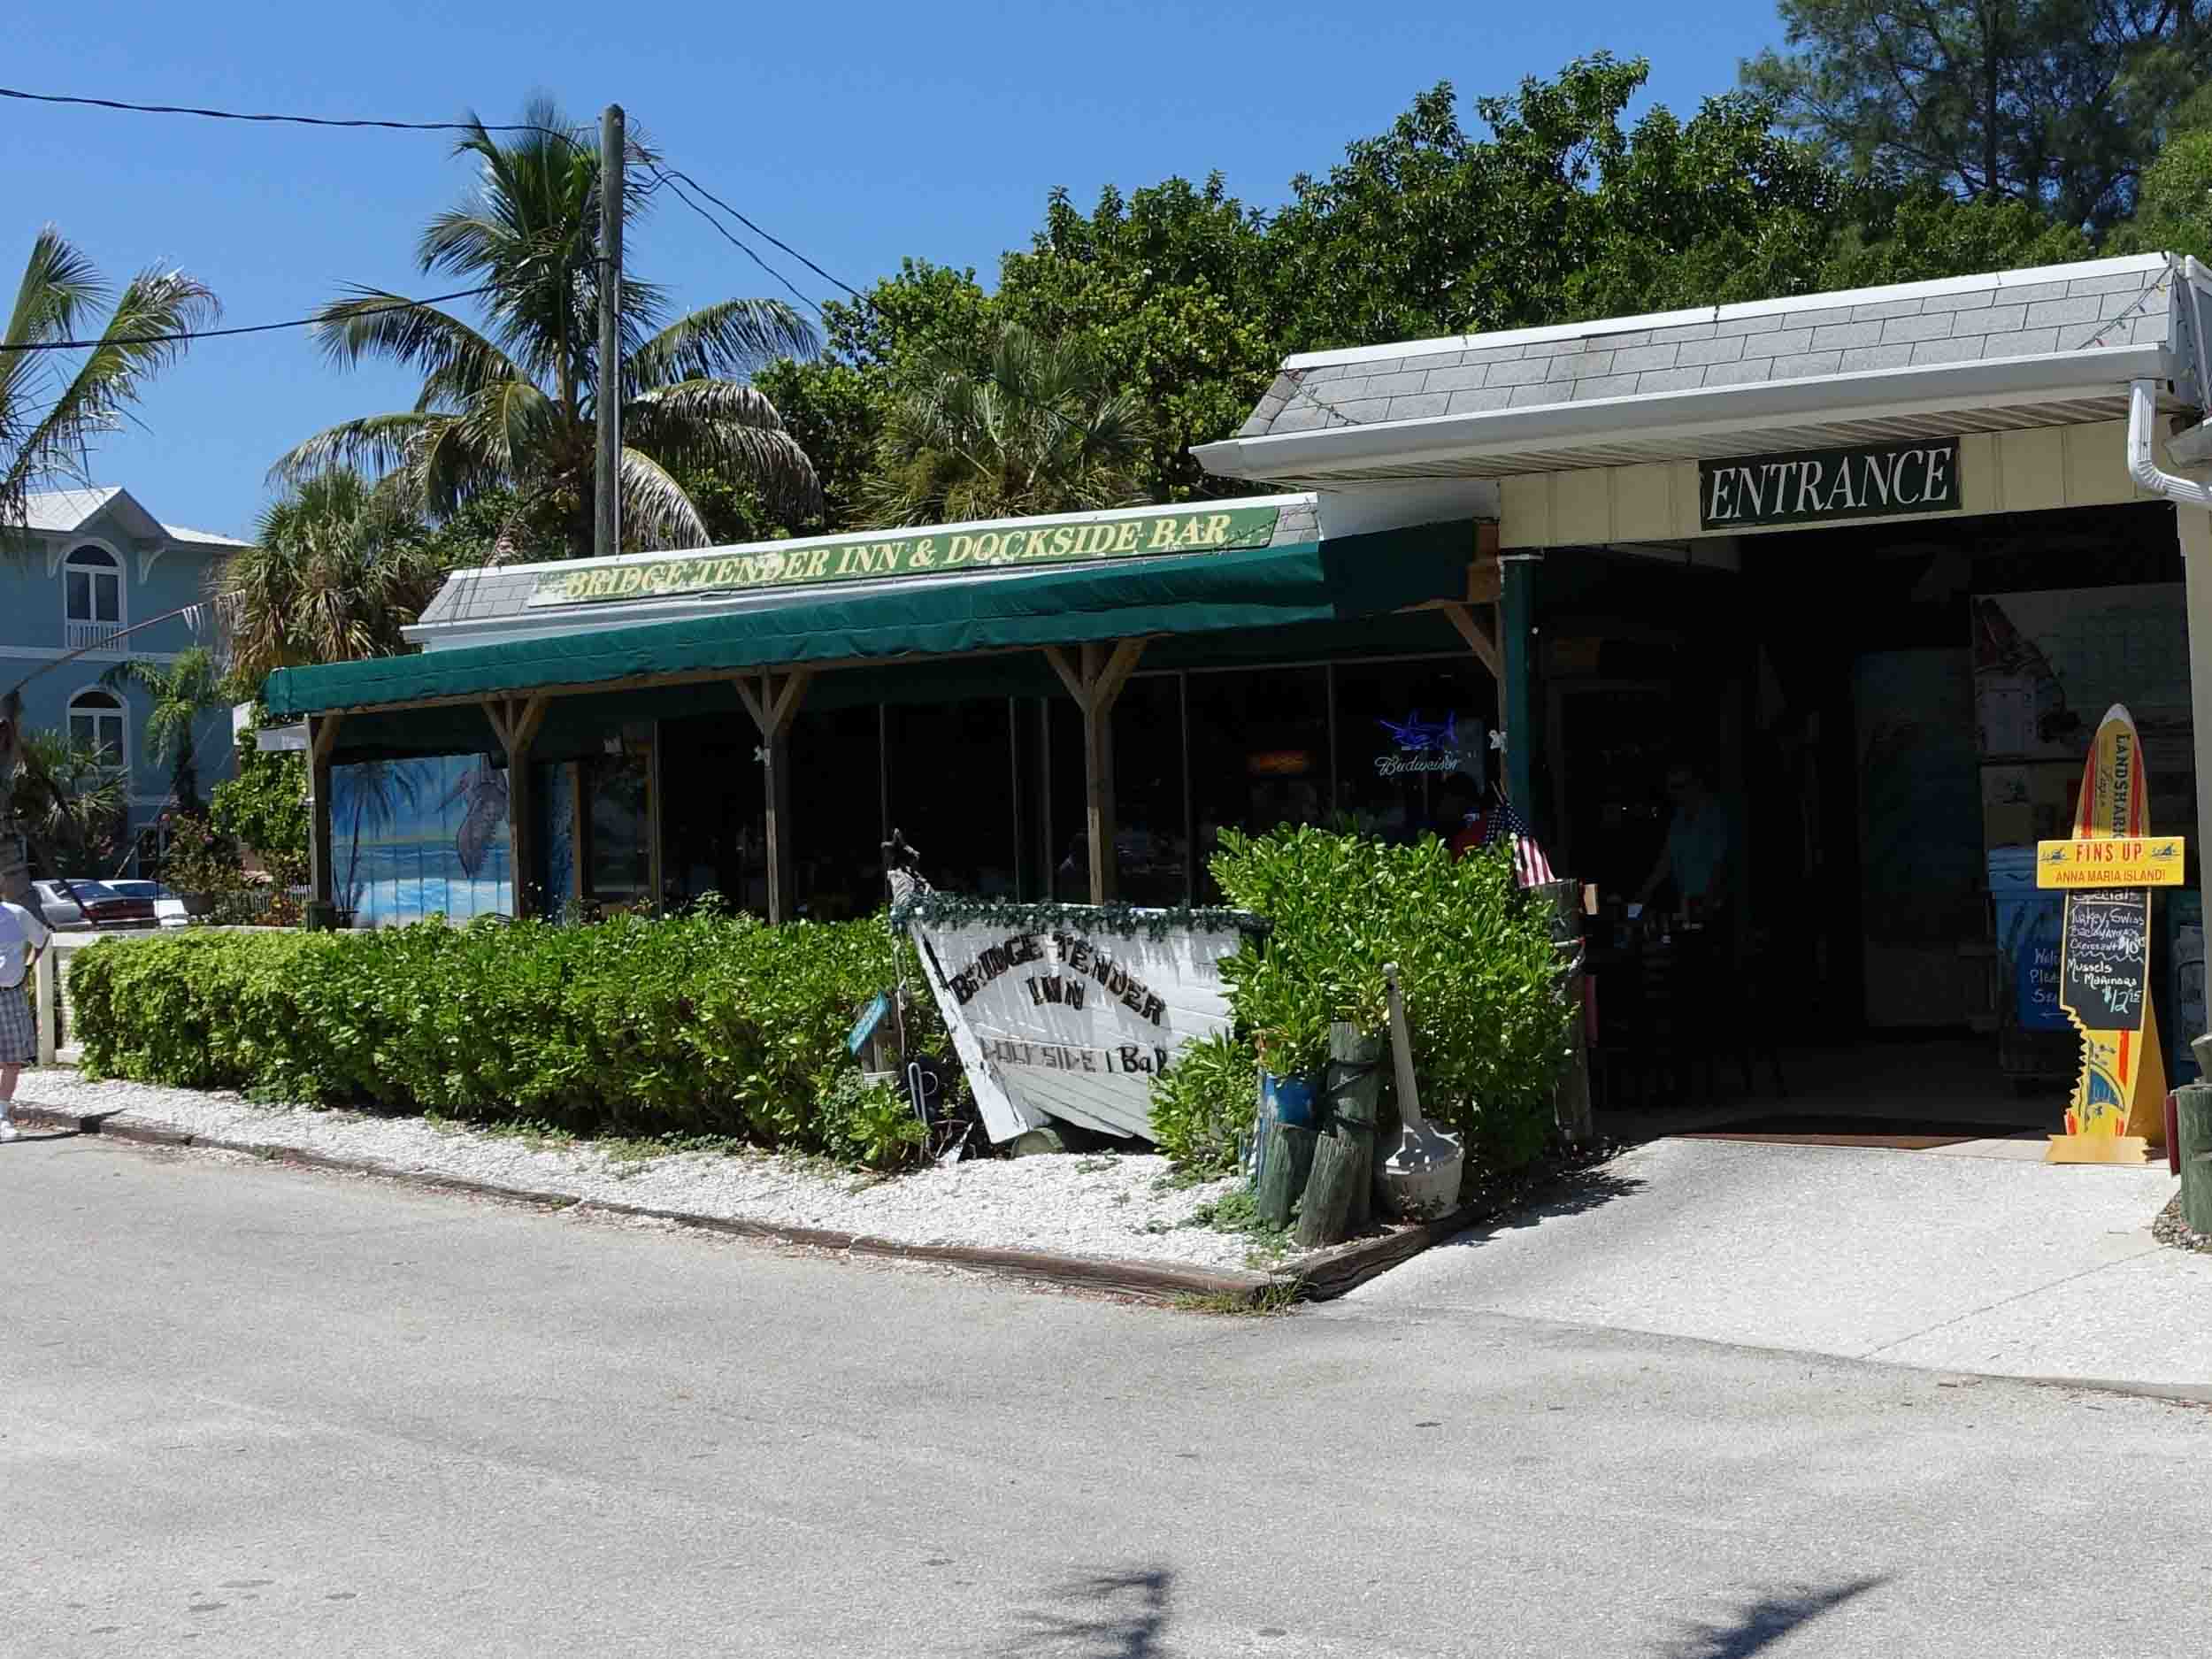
x,y
92,580
97,717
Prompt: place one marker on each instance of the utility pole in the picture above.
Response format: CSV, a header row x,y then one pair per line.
x,y
607,494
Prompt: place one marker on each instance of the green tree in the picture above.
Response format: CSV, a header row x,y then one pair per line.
x,y
264,807
184,692
2058,104
71,802
1561,212
1170,290
1028,425
54,403
2174,211
513,405
338,567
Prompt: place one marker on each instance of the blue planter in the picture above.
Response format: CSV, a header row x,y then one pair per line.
x,y
1292,1101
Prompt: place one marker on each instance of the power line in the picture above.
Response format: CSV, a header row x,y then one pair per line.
x,y
765,235
735,242
249,328
386,124
287,120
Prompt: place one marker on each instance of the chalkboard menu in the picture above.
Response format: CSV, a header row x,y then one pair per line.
x,y
2106,965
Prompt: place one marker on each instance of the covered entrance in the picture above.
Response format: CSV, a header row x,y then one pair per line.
x,y
1847,582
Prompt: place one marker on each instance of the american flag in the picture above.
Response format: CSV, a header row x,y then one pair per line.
x,y
1530,868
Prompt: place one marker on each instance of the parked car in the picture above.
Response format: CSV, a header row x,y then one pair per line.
x,y
81,906
168,908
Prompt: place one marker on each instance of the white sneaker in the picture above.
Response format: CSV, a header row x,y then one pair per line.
x,y
8,1131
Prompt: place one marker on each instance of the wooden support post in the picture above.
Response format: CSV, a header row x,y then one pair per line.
x,y
516,721
772,700
1344,1158
46,982
322,739
1516,695
1094,678
2192,1142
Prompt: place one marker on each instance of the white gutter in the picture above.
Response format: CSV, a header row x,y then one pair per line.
x,y
2142,457
1703,412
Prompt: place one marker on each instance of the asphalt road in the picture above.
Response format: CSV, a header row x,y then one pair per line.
x,y
246,1410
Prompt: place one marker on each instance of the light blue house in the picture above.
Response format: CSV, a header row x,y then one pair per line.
x,y
97,563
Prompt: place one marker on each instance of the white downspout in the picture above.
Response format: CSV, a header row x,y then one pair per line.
x,y
2143,459
2192,517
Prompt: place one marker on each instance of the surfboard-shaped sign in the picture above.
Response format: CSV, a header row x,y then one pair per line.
x,y
2104,968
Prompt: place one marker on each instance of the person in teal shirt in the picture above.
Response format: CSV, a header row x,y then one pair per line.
x,y
1700,849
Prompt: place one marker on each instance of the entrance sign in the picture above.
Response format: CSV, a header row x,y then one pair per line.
x,y
2118,862
920,553
1814,486
2104,964
1061,1021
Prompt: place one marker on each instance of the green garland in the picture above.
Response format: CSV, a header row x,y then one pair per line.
x,y
1120,918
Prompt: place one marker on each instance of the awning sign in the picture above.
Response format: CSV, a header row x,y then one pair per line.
x,y
2109,862
933,552
1814,486
1056,1021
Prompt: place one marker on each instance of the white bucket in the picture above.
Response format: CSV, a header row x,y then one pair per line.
x,y
1422,1187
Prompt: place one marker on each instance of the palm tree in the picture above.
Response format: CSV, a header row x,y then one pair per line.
x,y
54,403
1017,427
183,692
337,569
71,802
514,405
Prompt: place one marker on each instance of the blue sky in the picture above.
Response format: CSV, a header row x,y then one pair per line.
x,y
858,134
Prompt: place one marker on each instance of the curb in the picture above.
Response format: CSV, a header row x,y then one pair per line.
x,y
1143,1281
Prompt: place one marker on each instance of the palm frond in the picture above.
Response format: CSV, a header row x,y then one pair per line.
x,y
656,510
376,324
136,344
732,338
721,425
375,444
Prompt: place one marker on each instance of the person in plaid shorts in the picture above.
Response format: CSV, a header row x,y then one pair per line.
x,y
22,936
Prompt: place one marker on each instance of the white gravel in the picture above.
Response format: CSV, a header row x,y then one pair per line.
x,y
1115,1207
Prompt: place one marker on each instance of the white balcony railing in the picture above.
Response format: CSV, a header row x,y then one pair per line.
x,y
91,636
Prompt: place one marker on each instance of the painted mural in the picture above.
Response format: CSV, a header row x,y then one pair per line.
x,y
411,839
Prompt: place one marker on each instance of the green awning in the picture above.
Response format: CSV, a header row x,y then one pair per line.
x,y
1262,588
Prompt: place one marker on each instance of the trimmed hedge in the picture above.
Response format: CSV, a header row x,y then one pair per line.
x,y
693,1026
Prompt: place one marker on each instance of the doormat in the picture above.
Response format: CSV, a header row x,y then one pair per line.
x,y
1841,1129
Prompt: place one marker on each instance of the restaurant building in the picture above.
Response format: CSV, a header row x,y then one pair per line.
x,y
1873,563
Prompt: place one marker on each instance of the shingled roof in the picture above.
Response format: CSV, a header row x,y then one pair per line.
x,y
2004,314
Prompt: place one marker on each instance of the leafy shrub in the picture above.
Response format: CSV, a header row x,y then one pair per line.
x,y
1475,957
693,1026
1204,1104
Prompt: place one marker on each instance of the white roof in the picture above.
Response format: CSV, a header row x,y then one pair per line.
x,y
65,511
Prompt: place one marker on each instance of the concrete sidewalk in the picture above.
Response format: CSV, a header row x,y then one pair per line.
x,y
1988,1264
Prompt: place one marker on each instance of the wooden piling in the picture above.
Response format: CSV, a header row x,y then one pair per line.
x,y
1344,1155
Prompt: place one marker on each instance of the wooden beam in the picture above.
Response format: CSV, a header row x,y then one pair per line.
x,y
515,722
1114,675
1480,640
322,742
1485,583
1094,678
1070,676
772,700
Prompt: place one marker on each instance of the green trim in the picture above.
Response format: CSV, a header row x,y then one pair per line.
x,y
1221,593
